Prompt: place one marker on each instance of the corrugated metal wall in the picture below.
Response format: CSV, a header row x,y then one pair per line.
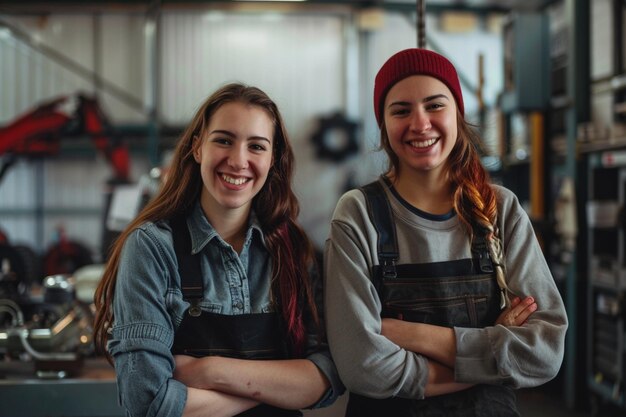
x,y
198,53
296,59
279,54
312,65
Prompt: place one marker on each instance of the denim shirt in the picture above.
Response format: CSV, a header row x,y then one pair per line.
x,y
148,308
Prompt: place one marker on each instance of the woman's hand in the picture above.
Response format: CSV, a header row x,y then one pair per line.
x,y
518,312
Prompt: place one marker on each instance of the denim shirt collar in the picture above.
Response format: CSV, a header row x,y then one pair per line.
x,y
202,232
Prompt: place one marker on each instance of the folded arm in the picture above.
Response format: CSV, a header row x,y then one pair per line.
x,y
290,384
439,343
441,380
202,403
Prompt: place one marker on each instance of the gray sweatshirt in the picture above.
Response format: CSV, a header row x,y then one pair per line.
x,y
369,364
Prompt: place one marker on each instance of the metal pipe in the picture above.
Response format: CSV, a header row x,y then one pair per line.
x,y
11,307
421,23
75,67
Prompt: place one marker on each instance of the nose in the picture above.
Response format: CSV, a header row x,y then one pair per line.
x,y
420,122
237,159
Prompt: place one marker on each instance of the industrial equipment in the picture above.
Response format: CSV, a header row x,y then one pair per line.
x,y
46,324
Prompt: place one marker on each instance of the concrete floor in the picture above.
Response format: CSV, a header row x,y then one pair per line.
x,y
531,403
539,403
536,403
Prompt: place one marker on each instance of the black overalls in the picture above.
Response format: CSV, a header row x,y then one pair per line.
x,y
244,336
462,293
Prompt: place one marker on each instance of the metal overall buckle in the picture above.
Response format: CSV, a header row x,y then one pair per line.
x,y
389,268
194,309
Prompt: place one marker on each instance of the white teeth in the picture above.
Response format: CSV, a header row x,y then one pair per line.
x,y
234,181
423,143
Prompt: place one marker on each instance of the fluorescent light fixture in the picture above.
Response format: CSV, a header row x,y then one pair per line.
x,y
272,17
215,16
5,33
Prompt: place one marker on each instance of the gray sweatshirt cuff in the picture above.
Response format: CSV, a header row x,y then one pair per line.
x,y
475,362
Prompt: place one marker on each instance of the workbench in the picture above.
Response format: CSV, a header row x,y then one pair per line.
x,y
90,392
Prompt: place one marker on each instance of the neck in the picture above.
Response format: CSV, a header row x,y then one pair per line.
x,y
426,191
231,225
233,233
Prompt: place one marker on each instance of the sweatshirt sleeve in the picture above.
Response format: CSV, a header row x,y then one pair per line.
x,y
368,363
523,356
318,351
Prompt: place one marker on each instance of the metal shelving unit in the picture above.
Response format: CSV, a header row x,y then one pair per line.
x,y
602,144
607,276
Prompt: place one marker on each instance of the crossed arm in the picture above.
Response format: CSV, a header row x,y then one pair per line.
x,y
438,343
230,386
226,387
208,402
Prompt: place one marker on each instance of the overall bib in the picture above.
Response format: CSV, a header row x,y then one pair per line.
x,y
245,336
462,293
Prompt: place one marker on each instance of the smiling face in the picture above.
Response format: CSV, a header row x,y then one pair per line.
x,y
421,125
235,156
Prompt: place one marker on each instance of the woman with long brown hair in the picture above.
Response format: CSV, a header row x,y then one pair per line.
x,y
207,304
433,271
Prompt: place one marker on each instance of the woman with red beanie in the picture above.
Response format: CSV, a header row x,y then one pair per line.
x,y
439,301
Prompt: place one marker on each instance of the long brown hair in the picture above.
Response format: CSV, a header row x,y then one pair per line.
x,y
276,207
474,198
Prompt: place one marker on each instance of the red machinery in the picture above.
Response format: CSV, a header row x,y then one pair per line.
x,y
39,133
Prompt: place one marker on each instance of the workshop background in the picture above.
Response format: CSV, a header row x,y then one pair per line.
x,y
93,95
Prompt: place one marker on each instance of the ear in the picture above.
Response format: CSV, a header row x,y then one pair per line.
x,y
196,149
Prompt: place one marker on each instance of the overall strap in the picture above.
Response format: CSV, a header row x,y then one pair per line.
x,y
486,266
382,218
188,265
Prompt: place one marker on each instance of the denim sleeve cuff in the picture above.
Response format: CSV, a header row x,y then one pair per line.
x,y
174,400
326,365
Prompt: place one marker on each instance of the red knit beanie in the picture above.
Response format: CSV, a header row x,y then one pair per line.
x,y
415,61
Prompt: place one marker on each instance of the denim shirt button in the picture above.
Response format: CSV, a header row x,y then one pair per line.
x,y
239,305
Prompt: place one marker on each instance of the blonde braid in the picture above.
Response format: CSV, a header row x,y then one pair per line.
x,y
475,200
494,245
478,211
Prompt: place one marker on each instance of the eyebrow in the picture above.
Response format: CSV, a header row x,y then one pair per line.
x,y
425,100
232,135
